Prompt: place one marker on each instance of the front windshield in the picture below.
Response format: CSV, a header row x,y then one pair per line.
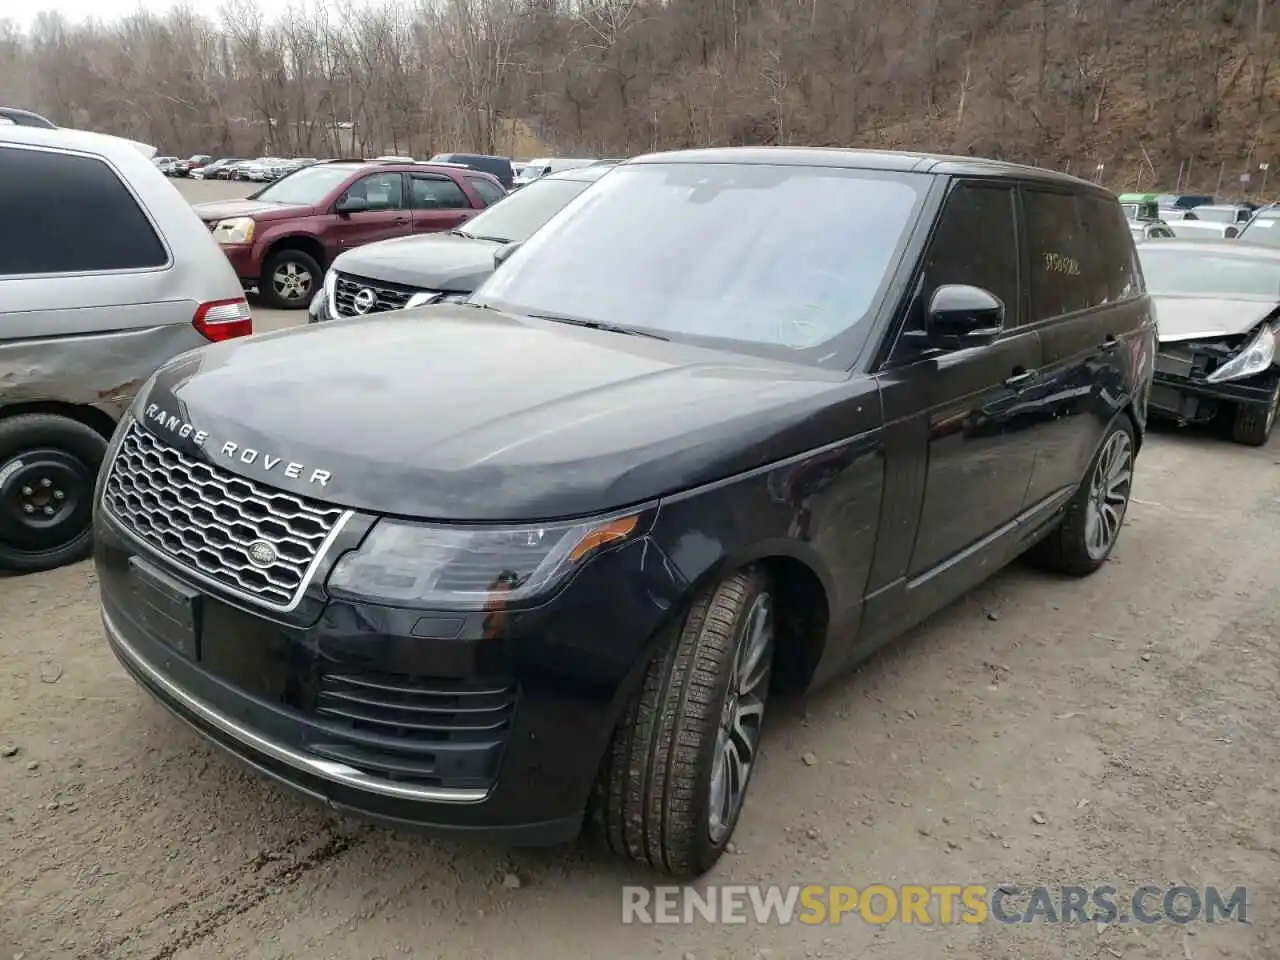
x,y
305,186
778,260
1197,273
1263,229
519,214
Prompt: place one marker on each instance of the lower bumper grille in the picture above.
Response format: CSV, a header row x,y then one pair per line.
x,y
428,731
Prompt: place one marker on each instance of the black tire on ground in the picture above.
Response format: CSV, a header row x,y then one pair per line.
x,y
36,447
1067,549
1252,425
295,263
655,802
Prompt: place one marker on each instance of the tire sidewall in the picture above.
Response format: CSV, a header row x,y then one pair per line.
x,y
29,432
706,851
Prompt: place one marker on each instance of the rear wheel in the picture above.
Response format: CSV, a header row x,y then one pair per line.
x,y
48,467
674,782
1252,425
1090,527
289,279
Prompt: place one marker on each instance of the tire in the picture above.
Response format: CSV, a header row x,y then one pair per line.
x,y
657,800
1252,425
48,467
1072,548
296,264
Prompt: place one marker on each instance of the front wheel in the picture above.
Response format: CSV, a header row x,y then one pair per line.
x,y
48,466
676,776
1090,527
1252,424
289,280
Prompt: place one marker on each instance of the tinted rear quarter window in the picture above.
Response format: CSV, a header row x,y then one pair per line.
x,y
1114,258
69,213
1064,277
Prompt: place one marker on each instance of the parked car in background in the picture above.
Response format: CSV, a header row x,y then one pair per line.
x,y
165,164
265,170
183,168
1185,201
498,167
410,271
1140,206
1220,213
240,171
540,168
1219,312
110,275
211,169
281,238
1263,228
735,420
14,116
1203,230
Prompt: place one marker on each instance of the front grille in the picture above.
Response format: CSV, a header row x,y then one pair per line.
x,y
387,296
428,731
205,519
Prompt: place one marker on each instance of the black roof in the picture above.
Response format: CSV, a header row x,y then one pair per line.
x,y
851,159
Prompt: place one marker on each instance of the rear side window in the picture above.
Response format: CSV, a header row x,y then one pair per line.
x,y
1063,274
486,190
957,256
437,193
65,213
1114,259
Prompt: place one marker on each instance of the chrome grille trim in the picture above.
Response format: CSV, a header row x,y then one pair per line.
x,y
203,518
389,296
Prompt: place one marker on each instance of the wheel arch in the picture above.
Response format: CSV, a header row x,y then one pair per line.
x,y
93,418
304,242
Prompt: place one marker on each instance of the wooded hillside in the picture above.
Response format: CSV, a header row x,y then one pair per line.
x,y
1143,87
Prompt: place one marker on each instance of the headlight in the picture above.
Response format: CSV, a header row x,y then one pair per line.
x,y
1253,359
235,230
471,568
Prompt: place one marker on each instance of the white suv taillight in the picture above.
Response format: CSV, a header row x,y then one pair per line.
x,y
220,320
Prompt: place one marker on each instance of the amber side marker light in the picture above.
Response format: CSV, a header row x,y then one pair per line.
x,y
618,529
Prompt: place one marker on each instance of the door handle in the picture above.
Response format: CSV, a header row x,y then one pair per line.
x,y
1109,344
401,221
1021,378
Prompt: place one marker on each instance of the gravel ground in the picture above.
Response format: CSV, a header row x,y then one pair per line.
x,y
1117,730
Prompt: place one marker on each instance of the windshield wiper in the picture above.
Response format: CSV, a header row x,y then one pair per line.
x,y
597,325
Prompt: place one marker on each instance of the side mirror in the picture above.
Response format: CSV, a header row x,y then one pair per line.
x,y
349,205
960,316
1231,233
504,252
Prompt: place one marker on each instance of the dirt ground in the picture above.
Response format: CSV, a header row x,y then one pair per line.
x,y
1117,730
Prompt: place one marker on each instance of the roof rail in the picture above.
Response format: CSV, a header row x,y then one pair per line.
x,y
25,118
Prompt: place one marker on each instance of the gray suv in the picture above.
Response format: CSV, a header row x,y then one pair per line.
x,y
105,274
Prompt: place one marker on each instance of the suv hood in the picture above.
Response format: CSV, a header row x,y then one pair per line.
x,y
225,209
436,261
457,413
1197,318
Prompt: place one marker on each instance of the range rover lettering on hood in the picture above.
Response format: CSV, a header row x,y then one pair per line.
x,y
234,451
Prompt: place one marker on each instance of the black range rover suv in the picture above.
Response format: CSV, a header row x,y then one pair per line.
x,y
737,421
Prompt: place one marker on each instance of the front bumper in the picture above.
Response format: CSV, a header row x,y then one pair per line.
x,y
1192,400
318,311
244,261
547,685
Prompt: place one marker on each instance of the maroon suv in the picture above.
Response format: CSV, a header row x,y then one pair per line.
x,y
281,238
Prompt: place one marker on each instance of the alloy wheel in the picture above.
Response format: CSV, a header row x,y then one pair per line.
x,y
291,281
1109,494
741,717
